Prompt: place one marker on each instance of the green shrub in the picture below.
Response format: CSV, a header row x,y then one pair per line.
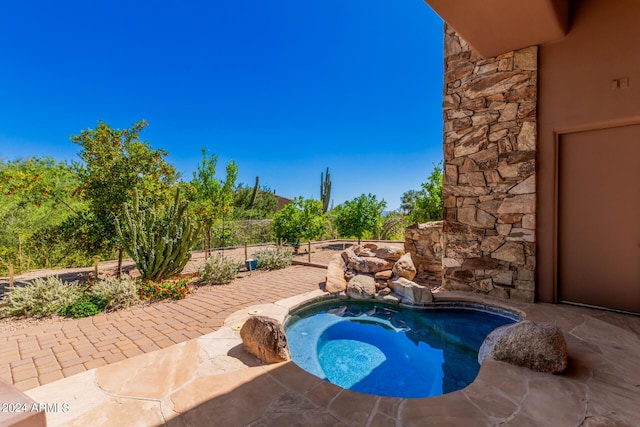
x,y
218,270
40,298
175,288
84,307
118,293
274,259
300,219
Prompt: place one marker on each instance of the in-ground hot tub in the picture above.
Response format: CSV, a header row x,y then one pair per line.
x,y
391,350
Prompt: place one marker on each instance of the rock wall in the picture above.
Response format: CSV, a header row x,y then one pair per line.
x,y
490,139
424,243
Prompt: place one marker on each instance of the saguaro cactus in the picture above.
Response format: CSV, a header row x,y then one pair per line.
x,y
325,190
255,191
159,246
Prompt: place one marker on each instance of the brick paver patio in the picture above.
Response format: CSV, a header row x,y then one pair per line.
x,y
38,355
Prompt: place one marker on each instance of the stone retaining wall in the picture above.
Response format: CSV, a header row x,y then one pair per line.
x,y
489,113
424,242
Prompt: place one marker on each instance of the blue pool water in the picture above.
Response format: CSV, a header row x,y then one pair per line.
x,y
390,350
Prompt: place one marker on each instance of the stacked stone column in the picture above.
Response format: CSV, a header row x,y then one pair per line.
x,y
424,243
489,112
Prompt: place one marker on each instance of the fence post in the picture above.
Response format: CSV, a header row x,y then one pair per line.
x,y
246,253
309,254
19,252
10,276
95,266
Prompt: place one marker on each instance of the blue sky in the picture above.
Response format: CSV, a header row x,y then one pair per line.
x,y
285,88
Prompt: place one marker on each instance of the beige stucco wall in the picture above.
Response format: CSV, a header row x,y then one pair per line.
x,y
577,92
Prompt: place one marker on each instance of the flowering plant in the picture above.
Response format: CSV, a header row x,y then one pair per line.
x,y
175,288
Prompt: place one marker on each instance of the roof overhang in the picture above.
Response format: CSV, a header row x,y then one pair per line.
x,y
493,27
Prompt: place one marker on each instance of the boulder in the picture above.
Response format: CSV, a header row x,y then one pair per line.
x,y
335,281
364,251
363,260
348,254
264,338
383,292
350,274
380,285
384,275
369,264
539,347
411,292
385,295
389,252
361,287
404,267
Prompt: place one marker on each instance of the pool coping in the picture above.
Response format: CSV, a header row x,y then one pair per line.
x,y
213,368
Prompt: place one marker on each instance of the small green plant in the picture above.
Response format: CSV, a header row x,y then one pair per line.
x,y
274,259
218,270
118,293
175,288
84,307
41,298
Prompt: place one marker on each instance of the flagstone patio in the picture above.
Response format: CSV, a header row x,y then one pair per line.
x,y
211,380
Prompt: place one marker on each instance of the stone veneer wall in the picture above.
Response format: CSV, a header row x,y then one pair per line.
x,y
489,171
424,243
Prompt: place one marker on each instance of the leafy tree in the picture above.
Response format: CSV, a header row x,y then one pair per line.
x,y
428,202
408,202
57,245
359,216
37,193
263,207
298,220
213,198
114,163
393,226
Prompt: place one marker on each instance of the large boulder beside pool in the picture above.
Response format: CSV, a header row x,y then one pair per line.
x,y
540,347
404,267
410,292
264,338
335,281
361,287
364,264
388,252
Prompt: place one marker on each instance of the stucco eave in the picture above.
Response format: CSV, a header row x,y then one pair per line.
x,y
493,27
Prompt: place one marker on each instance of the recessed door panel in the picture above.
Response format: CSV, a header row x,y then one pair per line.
x,y
599,218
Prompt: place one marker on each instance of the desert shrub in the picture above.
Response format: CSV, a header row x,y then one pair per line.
x,y
118,293
274,259
241,231
393,227
41,298
84,307
175,288
218,270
